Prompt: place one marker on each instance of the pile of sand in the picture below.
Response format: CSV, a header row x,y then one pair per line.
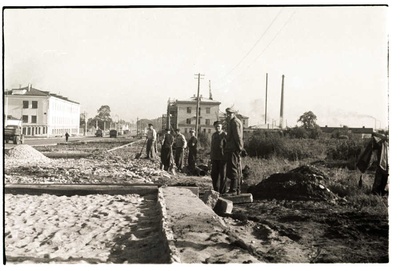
x,y
25,152
302,183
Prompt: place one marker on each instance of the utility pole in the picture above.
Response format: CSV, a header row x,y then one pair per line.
x,y
84,131
282,102
198,102
168,115
266,97
137,126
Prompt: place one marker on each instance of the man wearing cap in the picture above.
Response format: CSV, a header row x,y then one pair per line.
x,y
218,163
180,145
192,145
166,151
234,146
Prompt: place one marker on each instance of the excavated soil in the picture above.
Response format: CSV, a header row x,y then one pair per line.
x,y
293,219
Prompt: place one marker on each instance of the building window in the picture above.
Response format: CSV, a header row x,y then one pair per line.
x,y
34,104
33,119
189,110
207,122
204,130
188,121
25,118
208,110
25,104
209,131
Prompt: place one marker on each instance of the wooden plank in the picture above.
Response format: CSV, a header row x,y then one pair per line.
x,y
80,189
123,146
242,198
66,154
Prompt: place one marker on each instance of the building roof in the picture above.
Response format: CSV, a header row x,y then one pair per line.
x,y
30,91
203,100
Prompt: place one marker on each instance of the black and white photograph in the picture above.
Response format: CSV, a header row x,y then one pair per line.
x,y
216,133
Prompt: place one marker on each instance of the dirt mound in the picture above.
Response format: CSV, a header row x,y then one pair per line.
x,y
302,183
25,152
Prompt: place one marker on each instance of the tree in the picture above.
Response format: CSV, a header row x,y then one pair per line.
x,y
309,120
103,117
104,113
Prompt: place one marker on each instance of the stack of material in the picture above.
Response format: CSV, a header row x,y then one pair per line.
x,y
302,183
25,153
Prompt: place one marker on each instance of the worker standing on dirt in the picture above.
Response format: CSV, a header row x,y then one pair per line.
x,y
218,162
66,137
377,149
192,144
166,151
151,140
233,149
180,145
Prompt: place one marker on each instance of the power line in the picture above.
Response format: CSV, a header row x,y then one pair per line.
x,y
255,44
276,35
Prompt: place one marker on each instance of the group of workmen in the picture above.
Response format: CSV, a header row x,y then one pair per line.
x,y
225,154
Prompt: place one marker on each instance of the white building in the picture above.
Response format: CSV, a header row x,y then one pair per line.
x,y
42,112
183,114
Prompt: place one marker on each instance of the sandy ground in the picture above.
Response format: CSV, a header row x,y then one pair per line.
x,y
83,229
267,231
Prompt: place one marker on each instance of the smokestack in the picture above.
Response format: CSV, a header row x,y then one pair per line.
x,y
209,86
29,87
282,102
266,97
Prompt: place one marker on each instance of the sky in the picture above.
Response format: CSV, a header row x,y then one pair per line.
x,y
334,59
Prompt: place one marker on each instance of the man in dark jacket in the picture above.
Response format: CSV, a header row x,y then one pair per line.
x,y
218,162
192,145
234,146
379,144
166,151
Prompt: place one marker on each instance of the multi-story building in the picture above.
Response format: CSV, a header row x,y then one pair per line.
x,y
182,114
42,113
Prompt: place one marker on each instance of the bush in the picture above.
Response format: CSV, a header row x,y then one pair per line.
x,y
264,144
302,132
349,149
297,132
315,133
204,140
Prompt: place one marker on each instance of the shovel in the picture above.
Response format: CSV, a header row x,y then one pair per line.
x,y
137,156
